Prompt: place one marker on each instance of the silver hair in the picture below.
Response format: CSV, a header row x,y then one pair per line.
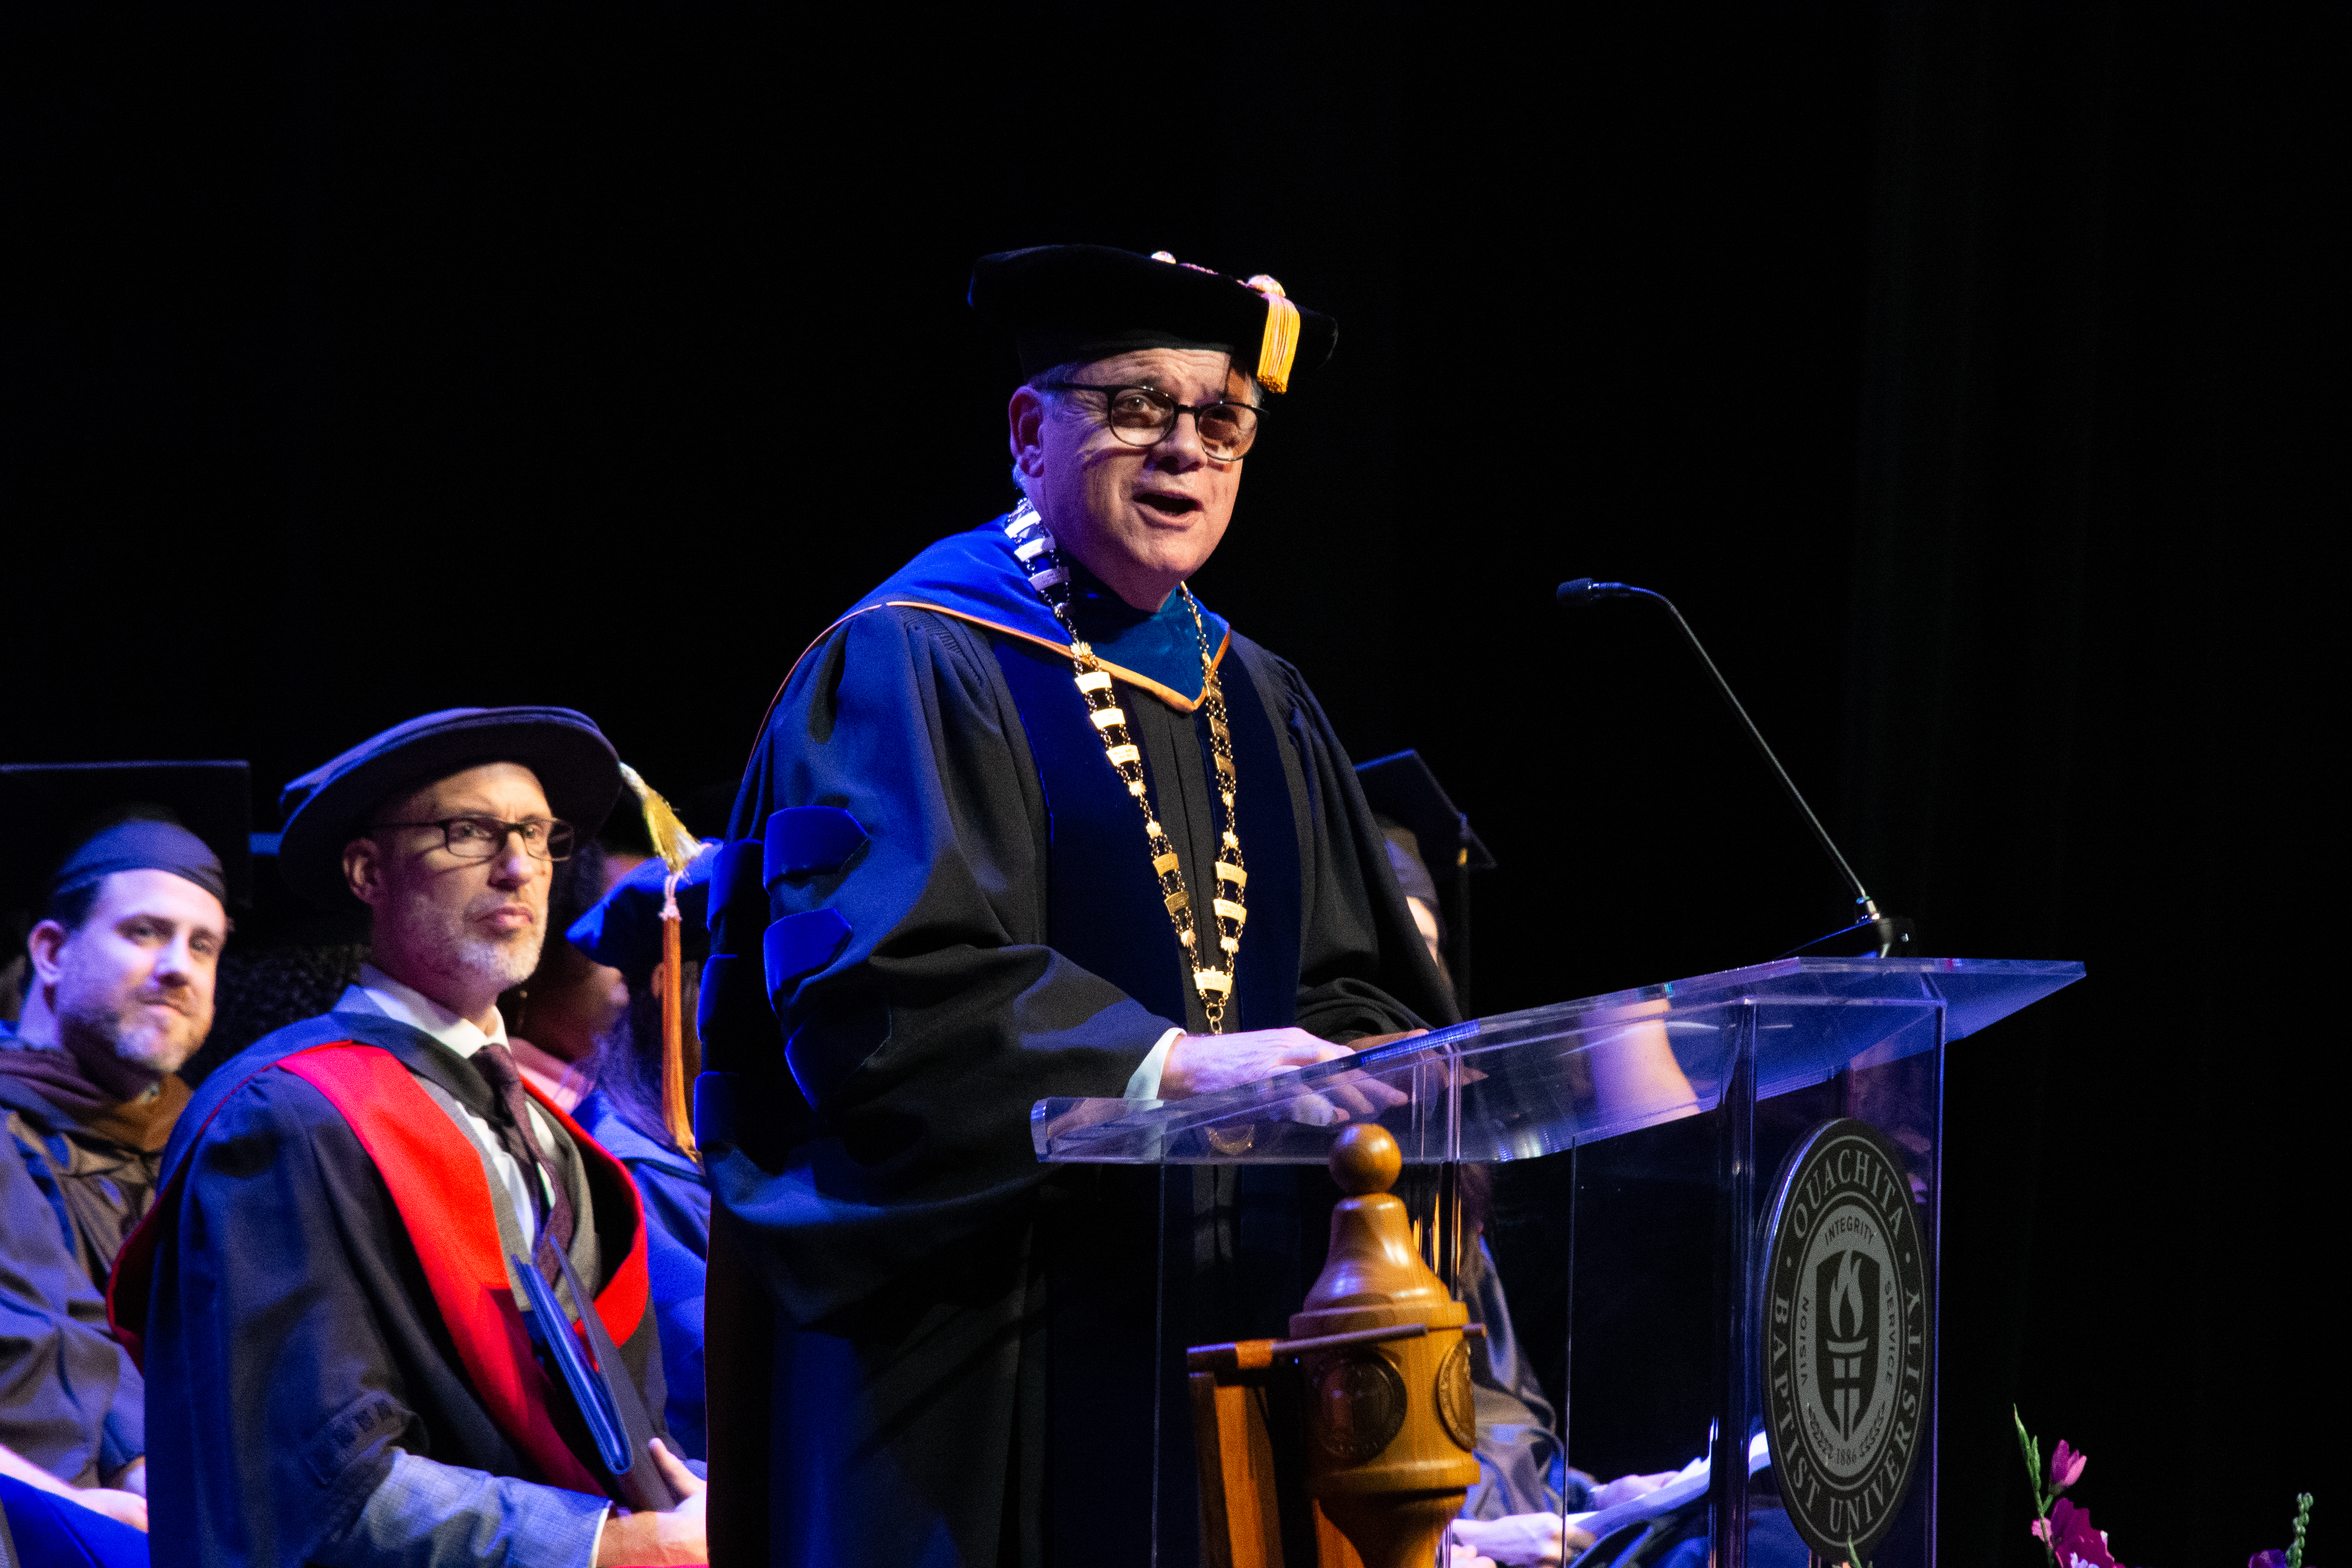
x,y
1038,384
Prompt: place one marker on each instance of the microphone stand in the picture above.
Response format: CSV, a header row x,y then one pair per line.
x,y
1888,935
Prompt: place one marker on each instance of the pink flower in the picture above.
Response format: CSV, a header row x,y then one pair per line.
x,y
2072,1539
2274,1558
2065,1467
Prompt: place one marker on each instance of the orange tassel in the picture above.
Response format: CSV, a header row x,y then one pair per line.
x,y
670,984
677,847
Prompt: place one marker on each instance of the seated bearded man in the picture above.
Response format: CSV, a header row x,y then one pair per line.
x,y
392,1299
123,962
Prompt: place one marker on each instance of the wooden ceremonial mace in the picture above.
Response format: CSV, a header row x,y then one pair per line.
x,y
1386,1431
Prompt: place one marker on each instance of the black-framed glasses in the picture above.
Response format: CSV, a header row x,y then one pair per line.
x,y
1142,417
485,837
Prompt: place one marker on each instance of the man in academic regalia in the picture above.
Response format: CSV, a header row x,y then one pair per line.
x,y
133,918
1031,820
360,1294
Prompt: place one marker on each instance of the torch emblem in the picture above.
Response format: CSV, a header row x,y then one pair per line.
x,y
1845,1335
1845,1349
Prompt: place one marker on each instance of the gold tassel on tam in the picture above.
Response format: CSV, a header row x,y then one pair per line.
x,y
672,841
1278,350
677,847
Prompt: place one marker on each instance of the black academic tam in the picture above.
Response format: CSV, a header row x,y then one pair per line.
x,y
1069,303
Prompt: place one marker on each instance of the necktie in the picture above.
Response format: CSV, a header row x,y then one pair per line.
x,y
497,1066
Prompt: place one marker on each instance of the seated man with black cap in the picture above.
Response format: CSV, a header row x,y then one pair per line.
x,y
123,961
351,1297
1030,821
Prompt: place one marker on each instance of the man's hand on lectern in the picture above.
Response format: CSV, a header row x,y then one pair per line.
x,y
1516,1540
1204,1064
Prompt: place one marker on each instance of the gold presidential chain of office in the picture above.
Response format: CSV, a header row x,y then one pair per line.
x,y
1034,548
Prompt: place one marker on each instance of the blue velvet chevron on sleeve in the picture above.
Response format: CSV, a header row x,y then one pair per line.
x,y
805,840
900,944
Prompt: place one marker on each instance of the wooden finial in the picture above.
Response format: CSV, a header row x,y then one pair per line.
x,y
1365,1159
1390,1427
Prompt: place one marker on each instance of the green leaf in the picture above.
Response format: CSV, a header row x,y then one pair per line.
x,y
2032,1452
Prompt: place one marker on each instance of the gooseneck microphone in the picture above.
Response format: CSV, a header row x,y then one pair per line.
x,y
1892,934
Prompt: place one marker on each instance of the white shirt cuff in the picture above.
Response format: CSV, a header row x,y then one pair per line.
x,y
1145,1083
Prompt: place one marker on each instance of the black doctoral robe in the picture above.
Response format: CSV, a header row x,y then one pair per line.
x,y
977,1357
291,1338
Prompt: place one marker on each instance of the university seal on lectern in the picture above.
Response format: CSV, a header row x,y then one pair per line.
x,y
1845,1335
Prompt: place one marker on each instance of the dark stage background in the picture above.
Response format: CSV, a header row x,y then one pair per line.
x,y
1955,368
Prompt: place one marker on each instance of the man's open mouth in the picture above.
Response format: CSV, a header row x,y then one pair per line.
x,y
1168,505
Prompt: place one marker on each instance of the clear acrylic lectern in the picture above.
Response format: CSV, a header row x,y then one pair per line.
x,y
1711,1243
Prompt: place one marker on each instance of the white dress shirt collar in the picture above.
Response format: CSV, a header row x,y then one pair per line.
x,y
380,992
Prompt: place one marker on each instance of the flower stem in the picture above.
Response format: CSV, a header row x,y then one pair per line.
x,y
2301,1524
2041,1500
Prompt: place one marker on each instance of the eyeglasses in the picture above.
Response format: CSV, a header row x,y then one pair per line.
x,y
1142,417
485,837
